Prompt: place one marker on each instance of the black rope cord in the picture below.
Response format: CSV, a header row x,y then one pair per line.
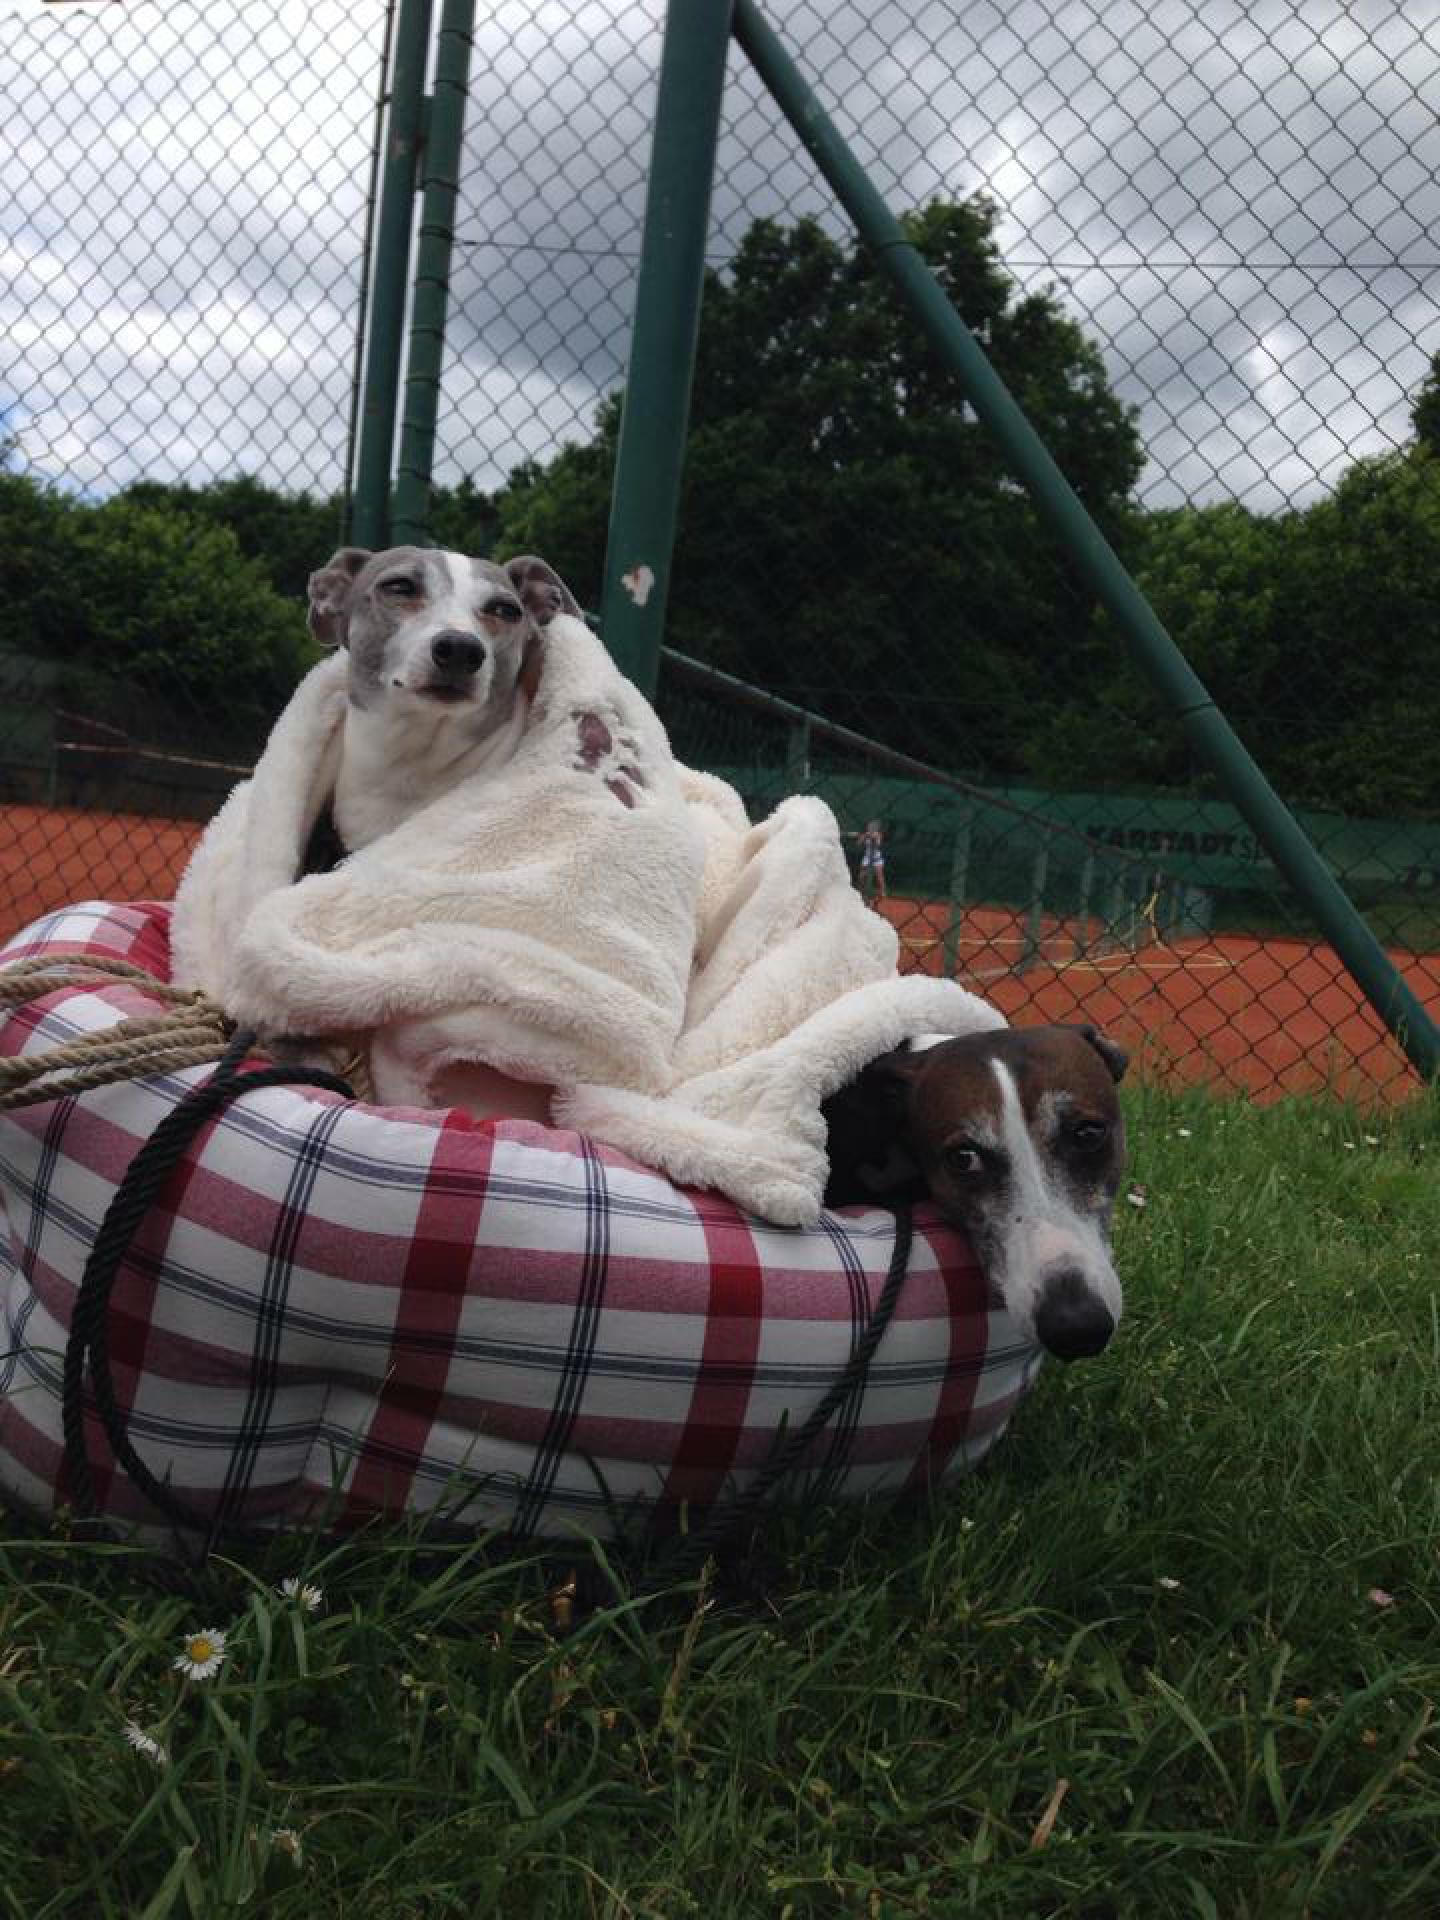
x,y
89,1330
728,1522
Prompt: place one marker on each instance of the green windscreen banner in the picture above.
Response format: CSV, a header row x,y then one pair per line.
x,y
1209,842
1201,842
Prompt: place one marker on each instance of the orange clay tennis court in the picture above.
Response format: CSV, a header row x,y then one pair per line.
x,y
1263,1017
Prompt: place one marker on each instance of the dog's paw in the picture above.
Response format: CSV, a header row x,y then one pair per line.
x,y
605,748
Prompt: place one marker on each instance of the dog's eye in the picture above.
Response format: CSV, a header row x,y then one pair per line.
x,y
505,610
401,586
1090,1135
962,1158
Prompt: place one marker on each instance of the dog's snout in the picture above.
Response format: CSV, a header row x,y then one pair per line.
x,y
1071,1320
457,653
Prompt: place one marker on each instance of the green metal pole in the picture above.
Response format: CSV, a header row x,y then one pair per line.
x,y
959,871
1116,918
651,454
370,517
1210,734
367,265
797,758
1034,943
440,167
1082,916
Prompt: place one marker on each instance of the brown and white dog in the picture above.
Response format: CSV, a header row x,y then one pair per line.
x,y
1017,1137
444,657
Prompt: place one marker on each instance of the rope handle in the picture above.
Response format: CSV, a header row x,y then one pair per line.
x,y
51,963
195,1032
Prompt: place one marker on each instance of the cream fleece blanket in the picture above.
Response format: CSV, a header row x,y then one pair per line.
x,y
586,931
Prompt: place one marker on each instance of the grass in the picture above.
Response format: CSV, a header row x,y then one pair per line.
x,y
1199,1587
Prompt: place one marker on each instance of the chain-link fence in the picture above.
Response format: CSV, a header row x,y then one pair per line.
x,y
1194,241
184,239
187,193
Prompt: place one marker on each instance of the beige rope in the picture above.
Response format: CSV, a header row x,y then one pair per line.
x,y
196,1032
79,965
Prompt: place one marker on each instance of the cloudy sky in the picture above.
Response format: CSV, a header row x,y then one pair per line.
x,y
1238,202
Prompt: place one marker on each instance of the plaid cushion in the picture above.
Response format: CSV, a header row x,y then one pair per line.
x,y
348,1310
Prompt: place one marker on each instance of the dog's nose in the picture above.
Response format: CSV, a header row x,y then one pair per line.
x,y
457,653
1071,1321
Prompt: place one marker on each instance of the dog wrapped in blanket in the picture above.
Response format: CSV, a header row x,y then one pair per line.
x,y
526,906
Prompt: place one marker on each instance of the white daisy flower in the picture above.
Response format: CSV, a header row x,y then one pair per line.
x,y
145,1743
203,1654
308,1597
1136,1197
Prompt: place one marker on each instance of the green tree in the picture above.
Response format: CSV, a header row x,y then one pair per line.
x,y
1360,641
1425,414
1214,576
561,509
173,605
1317,632
462,518
162,626
287,535
36,528
848,533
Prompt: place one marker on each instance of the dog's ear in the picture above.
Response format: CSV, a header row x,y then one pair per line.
x,y
1115,1058
865,1128
543,591
886,1081
329,591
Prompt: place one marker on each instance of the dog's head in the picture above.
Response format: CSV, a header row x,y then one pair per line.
x,y
1019,1140
435,629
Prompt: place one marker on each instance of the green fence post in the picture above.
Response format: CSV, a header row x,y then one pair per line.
x,y
1167,919
797,757
370,514
1035,919
1211,736
1082,920
651,453
959,872
441,181
1116,916
367,270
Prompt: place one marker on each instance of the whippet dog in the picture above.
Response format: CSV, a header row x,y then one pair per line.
x,y
1017,1137
444,659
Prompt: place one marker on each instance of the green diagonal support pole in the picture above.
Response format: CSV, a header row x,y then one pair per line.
x,y
651,453
440,181
1211,736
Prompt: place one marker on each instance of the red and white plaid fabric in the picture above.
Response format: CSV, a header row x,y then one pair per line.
x,y
344,1310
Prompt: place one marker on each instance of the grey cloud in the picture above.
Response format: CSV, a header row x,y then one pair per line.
x,y
187,222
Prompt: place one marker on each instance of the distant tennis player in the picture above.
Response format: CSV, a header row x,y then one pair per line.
x,y
872,860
